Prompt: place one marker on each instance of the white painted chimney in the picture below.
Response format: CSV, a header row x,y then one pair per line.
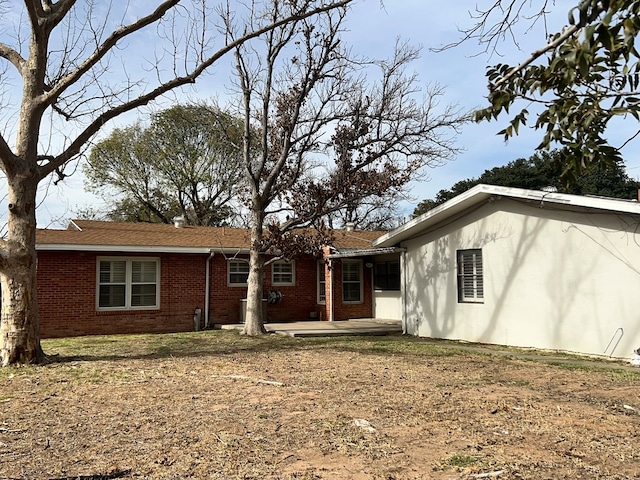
x,y
179,221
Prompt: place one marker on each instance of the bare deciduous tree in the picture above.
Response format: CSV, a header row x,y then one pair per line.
x,y
328,136
77,72
373,213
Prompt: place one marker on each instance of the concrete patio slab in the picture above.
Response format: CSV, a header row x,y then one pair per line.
x,y
329,329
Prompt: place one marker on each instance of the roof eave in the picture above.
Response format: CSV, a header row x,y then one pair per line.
x,y
481,193
364,252
137,249
415,226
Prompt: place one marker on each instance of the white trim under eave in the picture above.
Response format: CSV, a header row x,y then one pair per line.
x,y
135,249
481,193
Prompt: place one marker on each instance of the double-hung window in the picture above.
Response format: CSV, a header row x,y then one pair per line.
x,y
238,272
128,283
322,284
351,281
470,277
283,273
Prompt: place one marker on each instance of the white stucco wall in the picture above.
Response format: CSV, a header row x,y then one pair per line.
x,y
387,305
552,279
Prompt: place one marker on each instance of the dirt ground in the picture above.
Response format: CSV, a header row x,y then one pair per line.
x,y
215,405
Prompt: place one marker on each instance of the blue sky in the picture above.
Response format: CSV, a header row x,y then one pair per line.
x,y
461,70
372,32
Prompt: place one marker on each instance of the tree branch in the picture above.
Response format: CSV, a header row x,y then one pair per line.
x,y
573,29
7,157
98,123
490,35
50,13
75,146
57,11
12,57
106,47
35,12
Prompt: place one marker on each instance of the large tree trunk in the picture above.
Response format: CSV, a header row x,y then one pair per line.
x,y
19,331
254,323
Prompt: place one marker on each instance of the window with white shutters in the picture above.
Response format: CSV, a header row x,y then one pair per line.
x,y
470,278
143,283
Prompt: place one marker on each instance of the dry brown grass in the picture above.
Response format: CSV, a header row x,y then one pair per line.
x,y
216,405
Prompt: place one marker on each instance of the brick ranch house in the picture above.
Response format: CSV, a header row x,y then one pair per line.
x,y
105,278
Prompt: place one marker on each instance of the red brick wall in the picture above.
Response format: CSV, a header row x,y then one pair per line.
x,y
346,311
67,295
297,301
341,310
224,304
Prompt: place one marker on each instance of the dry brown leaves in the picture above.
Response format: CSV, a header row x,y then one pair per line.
x,y
291,414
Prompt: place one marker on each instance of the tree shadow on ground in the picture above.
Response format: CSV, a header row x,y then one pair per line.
x,y
224,343
161,346
216,343
98,476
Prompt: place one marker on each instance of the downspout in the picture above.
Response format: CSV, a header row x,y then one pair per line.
x,y
207,283
403,293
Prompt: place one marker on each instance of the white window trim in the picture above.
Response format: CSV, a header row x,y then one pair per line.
x,y
236,260
128,283
361,281
293,273
321,271
477,276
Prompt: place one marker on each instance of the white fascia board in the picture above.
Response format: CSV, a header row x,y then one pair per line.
x,y
607,204
614,205
482,192
372,252
136,249
438,214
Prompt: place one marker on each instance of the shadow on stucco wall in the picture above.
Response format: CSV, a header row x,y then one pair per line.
x,y
543,278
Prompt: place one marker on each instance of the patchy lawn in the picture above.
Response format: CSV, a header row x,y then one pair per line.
x,y
216,405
